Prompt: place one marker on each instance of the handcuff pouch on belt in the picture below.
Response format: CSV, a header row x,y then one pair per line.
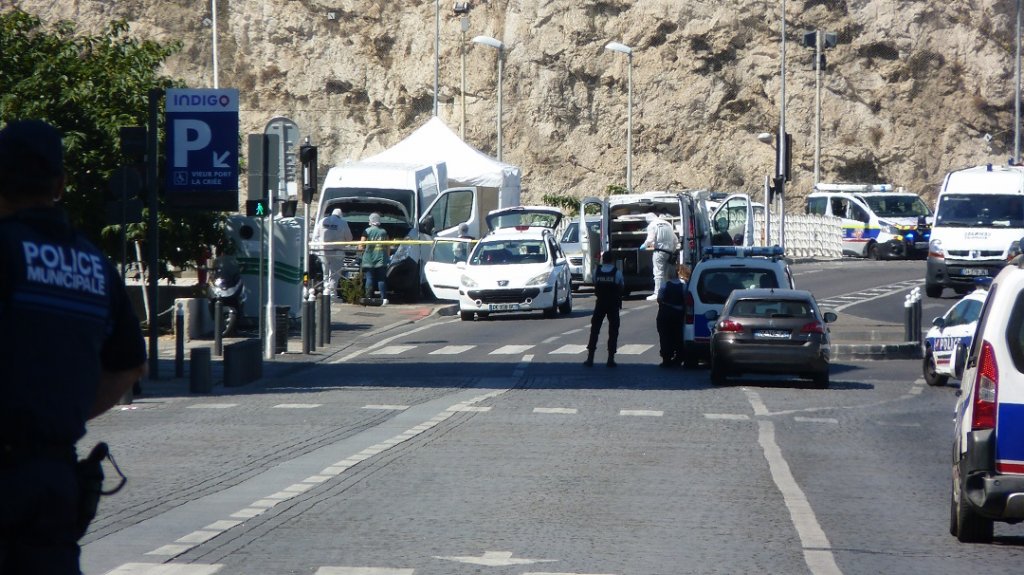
x,y
89,472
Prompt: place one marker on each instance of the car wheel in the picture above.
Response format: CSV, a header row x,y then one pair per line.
x,y
566,307
933,290
718,376
466,315
928,368
970,527
820,379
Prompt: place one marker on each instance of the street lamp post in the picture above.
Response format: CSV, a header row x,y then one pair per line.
x,y
781,151
497,45
213,25
819,41
622,48
437,48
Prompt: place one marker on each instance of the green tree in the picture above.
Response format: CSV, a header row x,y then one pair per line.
x,y
89,87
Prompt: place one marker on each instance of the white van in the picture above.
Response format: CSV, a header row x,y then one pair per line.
x,y
878,222
979,221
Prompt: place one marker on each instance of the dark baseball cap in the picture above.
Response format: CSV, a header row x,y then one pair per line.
x,y
31,149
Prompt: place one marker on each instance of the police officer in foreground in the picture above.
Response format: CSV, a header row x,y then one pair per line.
x,y
608,286
70,348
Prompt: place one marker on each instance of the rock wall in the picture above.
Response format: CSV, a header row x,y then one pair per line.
x,y
909,92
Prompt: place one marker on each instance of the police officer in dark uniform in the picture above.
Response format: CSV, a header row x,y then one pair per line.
x,y
70,348
608,286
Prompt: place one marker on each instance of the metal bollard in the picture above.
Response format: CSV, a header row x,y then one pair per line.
x,y
311,307
908,319
327,318
304,328
218,328
179,340
918,311
199,380
318,312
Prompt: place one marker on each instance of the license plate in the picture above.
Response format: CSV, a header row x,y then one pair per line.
x,y
771,334
920,245
974,272
503,307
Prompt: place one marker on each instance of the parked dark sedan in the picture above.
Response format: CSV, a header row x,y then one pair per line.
x,y
770,331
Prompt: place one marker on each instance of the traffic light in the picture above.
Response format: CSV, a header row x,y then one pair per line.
x,y
257,208
307,155
784,157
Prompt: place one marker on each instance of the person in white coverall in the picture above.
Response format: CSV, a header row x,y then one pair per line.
x,y
332,228
661,238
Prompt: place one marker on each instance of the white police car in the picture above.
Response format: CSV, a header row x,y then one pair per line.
x,y
721,270
948,332
988,448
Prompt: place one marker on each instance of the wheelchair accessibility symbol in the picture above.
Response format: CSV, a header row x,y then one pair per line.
x,y
181,178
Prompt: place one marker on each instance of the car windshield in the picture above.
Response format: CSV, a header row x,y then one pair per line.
x,y
571,234
902,206
504,252
771,307
981,211
714,286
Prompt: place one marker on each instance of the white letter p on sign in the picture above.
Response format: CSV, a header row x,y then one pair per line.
x,y
189,136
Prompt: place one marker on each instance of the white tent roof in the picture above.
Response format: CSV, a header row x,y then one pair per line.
x,y
436,142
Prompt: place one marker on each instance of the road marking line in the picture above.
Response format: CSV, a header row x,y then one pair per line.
x,y
641,412
197,537
170,550
470,408
727,416
510,349
297,405
222,525
452,350
571,349
551,339
816,419
382,342
572,331
393,350
165,569
526,359
755,401
386,407
633,349
362,571
891,424
561,410
247,513
817,549
212,406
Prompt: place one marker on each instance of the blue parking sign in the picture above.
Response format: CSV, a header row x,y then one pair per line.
x,y
202,148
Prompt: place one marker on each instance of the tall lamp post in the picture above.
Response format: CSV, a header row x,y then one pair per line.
x,y
624,49
462,9
437,48
819,41
497,45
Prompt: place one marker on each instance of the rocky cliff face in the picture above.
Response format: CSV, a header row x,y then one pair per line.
x,y
910,90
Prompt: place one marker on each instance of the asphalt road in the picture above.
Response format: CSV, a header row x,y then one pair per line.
x,y
483,447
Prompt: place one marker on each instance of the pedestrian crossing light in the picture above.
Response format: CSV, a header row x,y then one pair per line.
x,y
257,208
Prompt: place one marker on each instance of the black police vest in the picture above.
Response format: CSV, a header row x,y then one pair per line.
x,y
55,310
605,287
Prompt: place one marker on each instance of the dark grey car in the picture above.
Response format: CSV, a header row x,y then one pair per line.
x,y
771,331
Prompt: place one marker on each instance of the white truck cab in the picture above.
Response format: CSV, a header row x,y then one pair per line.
x,y
979,221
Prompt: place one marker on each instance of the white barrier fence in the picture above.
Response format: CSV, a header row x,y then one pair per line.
x,y
807,236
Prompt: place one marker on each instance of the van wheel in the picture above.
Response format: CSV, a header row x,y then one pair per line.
x,y
933,290
970,527
872,251
928,369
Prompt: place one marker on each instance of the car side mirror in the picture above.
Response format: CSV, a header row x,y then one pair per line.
x,y
711,315
939,322
830,316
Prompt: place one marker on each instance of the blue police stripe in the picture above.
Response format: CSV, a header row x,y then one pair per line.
x,y
1010,435
49,302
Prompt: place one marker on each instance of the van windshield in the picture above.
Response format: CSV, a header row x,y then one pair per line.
x,y
902,206
980,211
404,197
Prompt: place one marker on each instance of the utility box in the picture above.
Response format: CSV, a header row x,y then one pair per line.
x,y
249,235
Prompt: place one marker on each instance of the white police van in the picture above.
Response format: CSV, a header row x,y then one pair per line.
x,y
721,270
979,220
878,222
949,332
988,449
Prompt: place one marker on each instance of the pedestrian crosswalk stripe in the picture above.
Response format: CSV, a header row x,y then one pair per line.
x,y
363,571
560,410
393,350
815,419
452,350
213,406
165,569
297,405
732,416
633,349
170,550
387,407
511,349
570,349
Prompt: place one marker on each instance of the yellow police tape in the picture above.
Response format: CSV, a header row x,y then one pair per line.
x,y
396,242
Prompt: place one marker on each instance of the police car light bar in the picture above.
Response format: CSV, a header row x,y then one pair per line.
x,y
742,252
982,282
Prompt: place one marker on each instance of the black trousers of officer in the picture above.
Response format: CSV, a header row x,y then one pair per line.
x,y
602,310
670,334
39,516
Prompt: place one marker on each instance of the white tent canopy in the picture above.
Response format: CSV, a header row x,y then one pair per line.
x,y
435,142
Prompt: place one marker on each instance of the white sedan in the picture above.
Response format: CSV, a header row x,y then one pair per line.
x,y
955,327
517,267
